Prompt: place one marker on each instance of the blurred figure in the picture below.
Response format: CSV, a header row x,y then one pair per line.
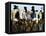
x,y
25,15
22,13
29,15
40,15
33,14
25,8
15,14
36,18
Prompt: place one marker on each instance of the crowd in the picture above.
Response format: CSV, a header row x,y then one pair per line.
x,y
24,20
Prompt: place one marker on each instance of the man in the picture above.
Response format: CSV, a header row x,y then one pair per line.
x,y
40,15
15,14
22,13
36,18
29,15
33,14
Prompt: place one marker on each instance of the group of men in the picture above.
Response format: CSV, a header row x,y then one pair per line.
x,y
19,14
32,14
